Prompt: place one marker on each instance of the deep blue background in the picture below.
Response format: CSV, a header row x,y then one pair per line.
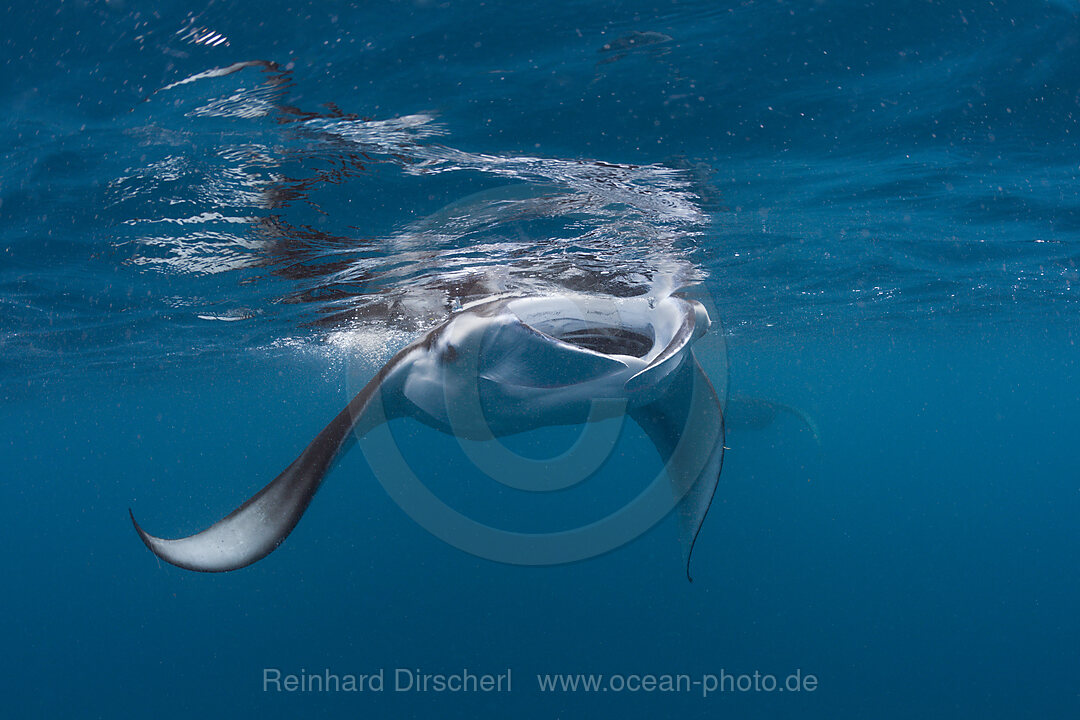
x,y
894,243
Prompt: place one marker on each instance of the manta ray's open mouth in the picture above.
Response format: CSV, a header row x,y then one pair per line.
x,y
609,340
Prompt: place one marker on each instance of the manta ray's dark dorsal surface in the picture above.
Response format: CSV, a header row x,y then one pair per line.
x,y
528,362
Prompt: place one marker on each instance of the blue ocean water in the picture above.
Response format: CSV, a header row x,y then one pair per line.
x,y
217,219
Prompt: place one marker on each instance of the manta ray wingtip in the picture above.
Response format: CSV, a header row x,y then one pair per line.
x,y
690,559
142,533
148,539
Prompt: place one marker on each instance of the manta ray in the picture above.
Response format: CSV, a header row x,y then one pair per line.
x,y
506,365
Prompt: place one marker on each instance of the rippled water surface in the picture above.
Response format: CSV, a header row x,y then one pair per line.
x,y
821,164
211,214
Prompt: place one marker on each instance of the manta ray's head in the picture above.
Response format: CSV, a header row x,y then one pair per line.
x,y
534,361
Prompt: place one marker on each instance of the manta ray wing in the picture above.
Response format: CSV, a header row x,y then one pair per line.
x,y
757,413
256,528
687,427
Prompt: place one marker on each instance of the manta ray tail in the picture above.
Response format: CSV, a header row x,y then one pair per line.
x,y
687,427
256,528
